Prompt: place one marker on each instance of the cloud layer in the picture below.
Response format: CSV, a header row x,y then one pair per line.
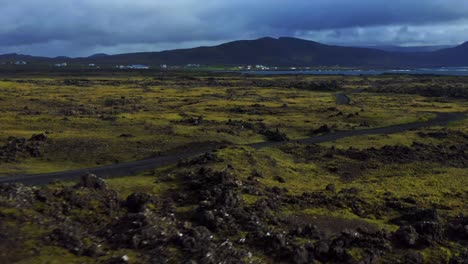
x,y
83,27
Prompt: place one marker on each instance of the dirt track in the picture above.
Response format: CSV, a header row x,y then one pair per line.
x,y
131,168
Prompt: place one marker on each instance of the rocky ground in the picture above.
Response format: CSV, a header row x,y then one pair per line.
x,y
209,217
397,198
101,118
17,148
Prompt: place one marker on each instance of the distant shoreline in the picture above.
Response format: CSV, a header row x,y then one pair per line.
x,y
446,71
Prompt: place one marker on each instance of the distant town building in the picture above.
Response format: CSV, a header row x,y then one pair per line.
x,y
135,66
63,64
92,65
139,67
261,67
21,63
163,66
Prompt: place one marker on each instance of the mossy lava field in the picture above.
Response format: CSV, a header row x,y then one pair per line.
x,y
367,198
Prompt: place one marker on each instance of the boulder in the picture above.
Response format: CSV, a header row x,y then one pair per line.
x,y
136,201
39,137
407,236
330,188
321,130
92,181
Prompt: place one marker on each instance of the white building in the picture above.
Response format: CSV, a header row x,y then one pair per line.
x,y
135,66
139,67
261,67
21,63
63,64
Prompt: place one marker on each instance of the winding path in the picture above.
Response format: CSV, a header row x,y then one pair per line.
x,y
131,168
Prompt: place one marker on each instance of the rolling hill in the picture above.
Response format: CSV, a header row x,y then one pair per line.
x,y
284,51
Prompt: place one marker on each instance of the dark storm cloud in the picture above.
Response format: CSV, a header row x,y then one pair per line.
x,y
80,27
327,14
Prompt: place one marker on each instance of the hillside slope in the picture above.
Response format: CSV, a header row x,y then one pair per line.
x,y
283,51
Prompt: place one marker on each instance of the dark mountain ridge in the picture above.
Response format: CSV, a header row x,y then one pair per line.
x,y
394,48
284,51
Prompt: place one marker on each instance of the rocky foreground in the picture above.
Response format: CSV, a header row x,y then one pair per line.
x,y
216,225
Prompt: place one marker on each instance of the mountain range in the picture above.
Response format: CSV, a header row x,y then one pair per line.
x,y
284,51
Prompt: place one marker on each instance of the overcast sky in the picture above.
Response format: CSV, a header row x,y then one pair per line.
x,y
85,27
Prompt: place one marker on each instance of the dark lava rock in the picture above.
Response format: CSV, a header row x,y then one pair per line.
x,y
126,136
352,191
208,157
308,231
199,245
136,201
457,228
321,130
301,256
275,135
17,148
193,121
417,216
39,137
196,240
461,259
18,194
257,174
413,257
407,236
118,260
94,250
69,238
321,249
330,188
92,181
280,179
444,133
430,230
447,154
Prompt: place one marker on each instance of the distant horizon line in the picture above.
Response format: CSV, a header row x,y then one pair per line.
x,y
372,46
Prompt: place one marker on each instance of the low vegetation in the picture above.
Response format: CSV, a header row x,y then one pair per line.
x,y
398,198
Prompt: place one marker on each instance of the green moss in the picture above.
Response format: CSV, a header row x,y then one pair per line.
x,y
356,253
153,116
436,255
186,209
54,255
141,183
249,199
347,214
10,212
